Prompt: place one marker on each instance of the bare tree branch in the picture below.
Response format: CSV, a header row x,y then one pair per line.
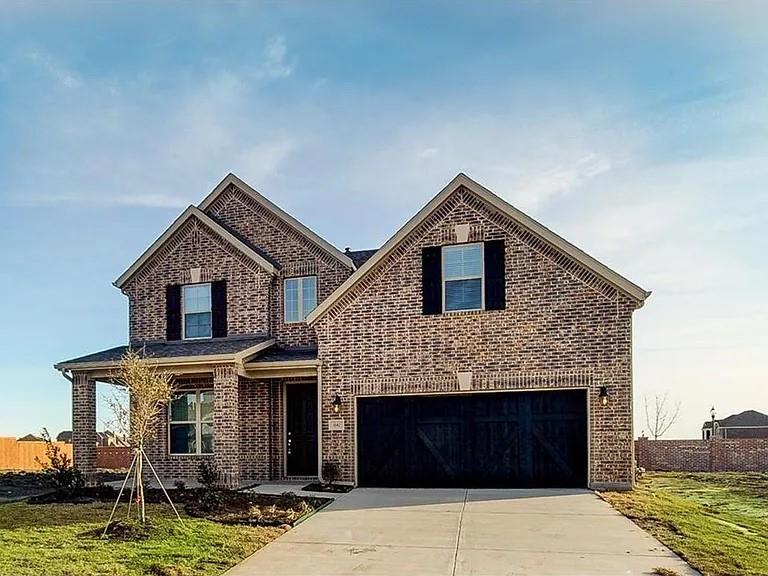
x,y
660,417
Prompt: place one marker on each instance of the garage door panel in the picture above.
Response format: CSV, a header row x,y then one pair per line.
x,y
519,439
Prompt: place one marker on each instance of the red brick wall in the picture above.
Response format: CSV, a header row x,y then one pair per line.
x,y
113,457
562,327
295,255
717,455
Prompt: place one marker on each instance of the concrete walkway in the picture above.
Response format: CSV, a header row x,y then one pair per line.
x,y
463,532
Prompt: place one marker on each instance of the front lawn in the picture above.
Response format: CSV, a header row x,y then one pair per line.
x,y
718,522
59,540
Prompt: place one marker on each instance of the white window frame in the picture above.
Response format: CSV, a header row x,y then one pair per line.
x,y
184,313
198,422
302,316
482,276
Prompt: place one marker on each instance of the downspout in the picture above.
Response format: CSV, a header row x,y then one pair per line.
x,y
65,374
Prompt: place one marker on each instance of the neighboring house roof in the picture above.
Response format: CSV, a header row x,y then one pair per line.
x,y
64,436
193,212
599,269
232,180
217,349
360,257
748,418
30,438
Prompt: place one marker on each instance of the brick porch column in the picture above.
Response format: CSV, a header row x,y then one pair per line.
x,y
84,423
226,424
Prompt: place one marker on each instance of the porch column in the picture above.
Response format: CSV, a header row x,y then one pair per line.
x,y
226,424
84,423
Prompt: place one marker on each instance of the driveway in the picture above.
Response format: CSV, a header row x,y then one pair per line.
x,y
462,532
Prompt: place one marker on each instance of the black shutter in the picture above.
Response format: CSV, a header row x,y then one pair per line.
x,y
219,308
173,312
431,280
495,285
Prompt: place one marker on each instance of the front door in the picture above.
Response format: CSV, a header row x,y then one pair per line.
x,y
301,429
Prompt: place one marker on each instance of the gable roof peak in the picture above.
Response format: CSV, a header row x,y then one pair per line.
x,y
233,180
462,180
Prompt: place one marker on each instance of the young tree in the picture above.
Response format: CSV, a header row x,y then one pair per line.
x,y
659,415
149,391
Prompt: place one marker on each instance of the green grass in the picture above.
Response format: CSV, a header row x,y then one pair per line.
x,y
718,522
55,540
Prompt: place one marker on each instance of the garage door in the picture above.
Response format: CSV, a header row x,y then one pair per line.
x,y
517,439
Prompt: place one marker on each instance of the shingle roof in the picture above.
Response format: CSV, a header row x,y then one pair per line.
x,y
746,418
212,347
278,354
360,257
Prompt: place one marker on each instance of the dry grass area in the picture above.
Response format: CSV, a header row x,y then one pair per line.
x,y
718,522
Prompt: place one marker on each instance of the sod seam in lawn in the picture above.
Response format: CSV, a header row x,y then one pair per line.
x,y
718,522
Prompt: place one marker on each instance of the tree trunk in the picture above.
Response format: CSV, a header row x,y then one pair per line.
x,y
140,483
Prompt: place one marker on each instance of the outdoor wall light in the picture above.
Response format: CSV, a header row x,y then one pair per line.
x,y
603,395
336,403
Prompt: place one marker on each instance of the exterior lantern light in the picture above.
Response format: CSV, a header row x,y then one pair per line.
x,y
336,403
603,395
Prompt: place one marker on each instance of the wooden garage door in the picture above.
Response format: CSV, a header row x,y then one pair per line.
x,y
511,439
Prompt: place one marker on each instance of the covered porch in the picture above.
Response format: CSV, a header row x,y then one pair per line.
x,y
243,403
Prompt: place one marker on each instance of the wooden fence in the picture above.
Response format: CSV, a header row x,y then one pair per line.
x,y
15,455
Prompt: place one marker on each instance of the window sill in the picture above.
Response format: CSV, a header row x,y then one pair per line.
x,y
173,455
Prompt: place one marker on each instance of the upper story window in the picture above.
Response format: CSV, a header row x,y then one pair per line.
x,y
300,298
190,423
463,277
196,305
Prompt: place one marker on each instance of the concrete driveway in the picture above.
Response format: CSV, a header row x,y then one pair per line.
x,y
462,532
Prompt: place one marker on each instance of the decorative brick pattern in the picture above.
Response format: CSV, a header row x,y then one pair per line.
x,y
562,327
294,254
716,455
84,423
226,424
196,246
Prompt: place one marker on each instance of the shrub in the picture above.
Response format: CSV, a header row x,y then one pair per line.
x,y
331,472
66,479
180,485
208,475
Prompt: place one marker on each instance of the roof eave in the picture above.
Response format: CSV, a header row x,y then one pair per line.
x,y
192,212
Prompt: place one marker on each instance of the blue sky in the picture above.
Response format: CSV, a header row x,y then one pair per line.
x,y
638,131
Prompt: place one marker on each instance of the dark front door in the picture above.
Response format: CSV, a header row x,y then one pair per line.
x,y
519,439
301,429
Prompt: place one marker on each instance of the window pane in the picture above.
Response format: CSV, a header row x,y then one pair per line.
x,y
463,294
308,295
183,407
183,439
197,298
197,325
462,261
292,300
206,405
206,439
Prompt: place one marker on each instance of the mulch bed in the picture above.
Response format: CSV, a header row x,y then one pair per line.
x,y
329,488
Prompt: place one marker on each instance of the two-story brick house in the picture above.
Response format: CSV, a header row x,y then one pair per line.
x,y
475,348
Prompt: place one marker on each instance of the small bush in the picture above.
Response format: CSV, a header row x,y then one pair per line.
x,y
331,472
208,475
180,485
65,478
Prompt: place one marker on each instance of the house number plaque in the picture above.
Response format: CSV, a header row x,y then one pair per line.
x,y
336,425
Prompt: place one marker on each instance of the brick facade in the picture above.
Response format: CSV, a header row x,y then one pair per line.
x,y
293,253
562,327
84,423
716,455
